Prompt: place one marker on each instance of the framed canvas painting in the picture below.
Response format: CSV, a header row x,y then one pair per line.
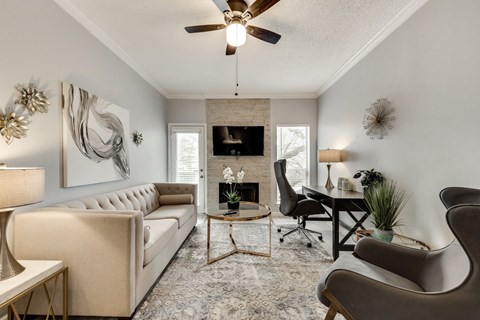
x,y
94,138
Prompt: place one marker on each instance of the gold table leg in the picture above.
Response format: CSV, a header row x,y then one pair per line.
x,y
235,248
50,314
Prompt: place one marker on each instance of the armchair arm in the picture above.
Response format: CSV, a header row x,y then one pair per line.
x,y
103,250
364,298
308,207
404,261
301,196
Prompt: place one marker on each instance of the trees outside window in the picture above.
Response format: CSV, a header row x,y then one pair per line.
x,y
292,145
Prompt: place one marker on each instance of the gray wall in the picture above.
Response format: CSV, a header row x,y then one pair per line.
x,y
41,43
186,111
429,68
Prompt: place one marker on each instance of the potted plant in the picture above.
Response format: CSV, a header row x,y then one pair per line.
x,y
232,194
385,201
369,177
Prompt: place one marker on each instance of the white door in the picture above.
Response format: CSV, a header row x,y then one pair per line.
x,y
187,157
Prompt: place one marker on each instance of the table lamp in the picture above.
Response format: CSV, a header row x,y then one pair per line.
x,y
329,155
18,187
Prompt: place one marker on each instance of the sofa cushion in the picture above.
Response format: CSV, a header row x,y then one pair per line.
x,y
161,232
170,199
180,212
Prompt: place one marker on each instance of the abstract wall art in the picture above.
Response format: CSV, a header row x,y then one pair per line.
x,y
95,147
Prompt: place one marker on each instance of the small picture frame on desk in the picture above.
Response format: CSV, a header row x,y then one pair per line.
x,y
344,184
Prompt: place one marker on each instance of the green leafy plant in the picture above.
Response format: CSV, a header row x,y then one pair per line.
x,y
369,177
385,201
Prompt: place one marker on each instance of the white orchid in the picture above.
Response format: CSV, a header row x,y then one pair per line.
x,y
232,195
240,176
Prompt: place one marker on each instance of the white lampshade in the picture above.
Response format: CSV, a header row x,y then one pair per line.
x,y
329,155
236,34
21,186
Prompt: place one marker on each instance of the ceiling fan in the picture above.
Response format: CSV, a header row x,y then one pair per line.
x,y
236,16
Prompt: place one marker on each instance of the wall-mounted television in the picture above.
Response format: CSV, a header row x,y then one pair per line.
x,y
238,141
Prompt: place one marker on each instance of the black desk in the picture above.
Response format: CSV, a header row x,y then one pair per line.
x,y
339,201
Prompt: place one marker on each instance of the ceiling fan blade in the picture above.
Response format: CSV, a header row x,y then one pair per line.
x,y
259,7
263,34
230,50
204,28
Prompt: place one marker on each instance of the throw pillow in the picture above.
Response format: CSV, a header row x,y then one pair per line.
x,y
176,199
146,234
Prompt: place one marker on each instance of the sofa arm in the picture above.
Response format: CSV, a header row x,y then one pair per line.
x,y
102,249
171,188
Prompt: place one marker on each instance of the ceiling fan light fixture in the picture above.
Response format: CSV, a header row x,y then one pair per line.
x,y
236,34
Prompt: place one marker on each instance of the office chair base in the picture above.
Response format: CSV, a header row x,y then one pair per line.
x,y
300,228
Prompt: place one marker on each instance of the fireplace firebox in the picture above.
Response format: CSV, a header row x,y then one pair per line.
x,y
248,191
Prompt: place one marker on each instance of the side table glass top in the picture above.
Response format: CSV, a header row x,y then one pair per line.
x,y
247,211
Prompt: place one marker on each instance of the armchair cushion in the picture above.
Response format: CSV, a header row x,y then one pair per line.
x,y
349,263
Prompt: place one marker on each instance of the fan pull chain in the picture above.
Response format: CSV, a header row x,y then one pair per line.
x,y
236,73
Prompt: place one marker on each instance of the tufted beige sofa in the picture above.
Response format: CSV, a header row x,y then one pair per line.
x,y
116,244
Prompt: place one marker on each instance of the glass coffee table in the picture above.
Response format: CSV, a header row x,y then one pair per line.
x,y
248,211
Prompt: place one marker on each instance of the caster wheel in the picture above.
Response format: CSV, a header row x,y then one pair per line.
x,y
320,237
279,230
309,245
281,239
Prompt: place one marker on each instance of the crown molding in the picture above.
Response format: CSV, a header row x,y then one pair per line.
x,y
312,95
388,29
98,33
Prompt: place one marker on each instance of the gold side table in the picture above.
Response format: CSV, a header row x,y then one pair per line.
x,y
399,239
248,211
37,274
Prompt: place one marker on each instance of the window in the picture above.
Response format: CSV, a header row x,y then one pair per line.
x,y
292,145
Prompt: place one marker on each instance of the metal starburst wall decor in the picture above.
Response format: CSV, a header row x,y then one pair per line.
x,y
137,138
379,118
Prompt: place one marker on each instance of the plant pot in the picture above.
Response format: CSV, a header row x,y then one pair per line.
x,y
384,235
233,205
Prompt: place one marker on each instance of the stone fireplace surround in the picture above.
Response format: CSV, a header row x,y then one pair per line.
x,y
239,112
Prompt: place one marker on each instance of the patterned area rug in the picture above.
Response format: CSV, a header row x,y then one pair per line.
x,y
240,286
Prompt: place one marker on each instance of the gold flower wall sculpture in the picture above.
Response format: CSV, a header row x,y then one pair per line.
x,y
32,99
13,123
13,126
379,118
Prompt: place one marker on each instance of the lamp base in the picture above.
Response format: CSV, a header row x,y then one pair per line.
x,y
329,184
9,266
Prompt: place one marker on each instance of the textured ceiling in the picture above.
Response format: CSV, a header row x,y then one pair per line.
x,y
320,39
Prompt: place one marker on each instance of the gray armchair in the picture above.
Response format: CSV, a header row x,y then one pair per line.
x,y
295,205
387,281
